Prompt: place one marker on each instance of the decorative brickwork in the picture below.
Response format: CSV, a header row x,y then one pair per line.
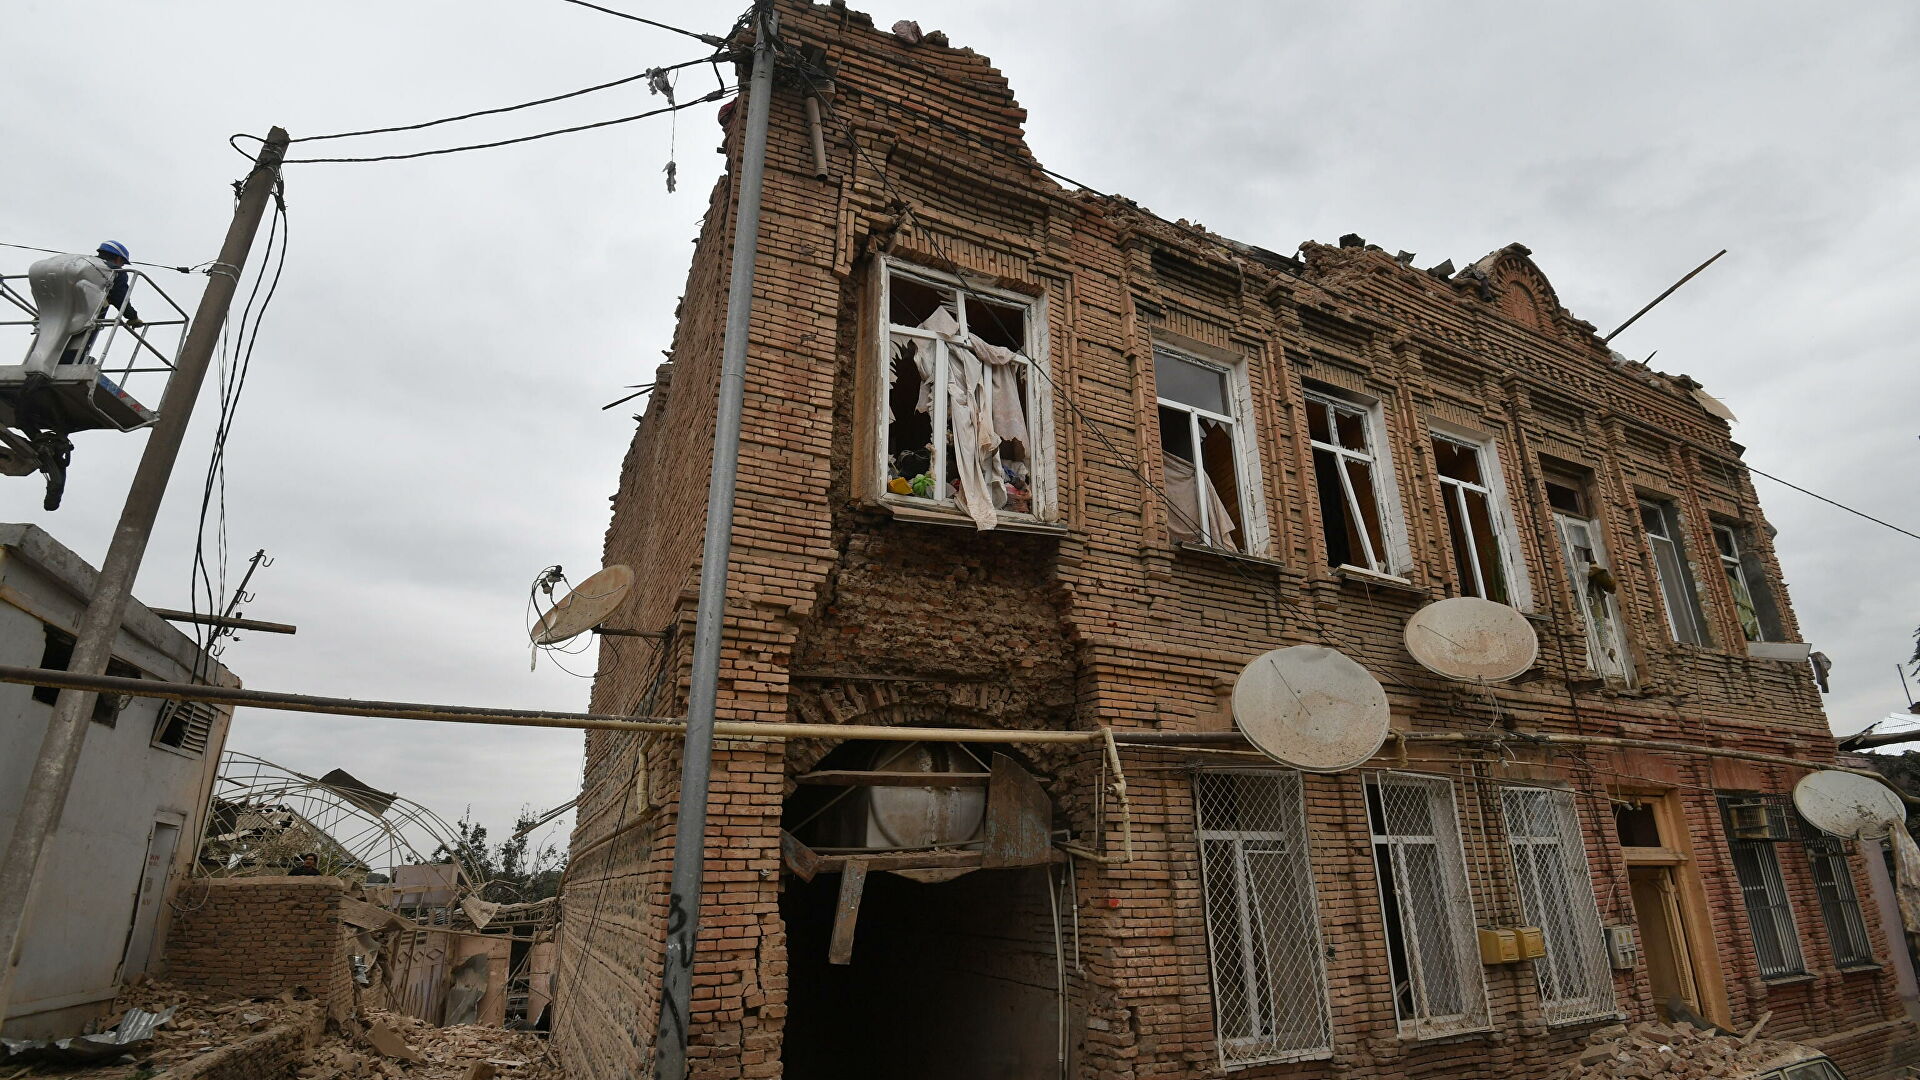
x,y
847,607
259,936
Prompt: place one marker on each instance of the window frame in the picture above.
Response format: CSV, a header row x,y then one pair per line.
x,y
1394,555
1585,958
1733,566
1686,606
1583,598
1242,429
1247,948
1043,465
1450,870
1765,882
1493,487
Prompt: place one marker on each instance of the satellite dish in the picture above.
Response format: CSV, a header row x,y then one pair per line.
x,y
1472,639
1848,804
582,609
1311,707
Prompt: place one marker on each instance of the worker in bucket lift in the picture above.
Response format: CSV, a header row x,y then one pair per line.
x,y
116,256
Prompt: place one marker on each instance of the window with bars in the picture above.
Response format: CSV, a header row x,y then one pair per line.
x,y
1427,908
1751,602
1839,903
1776,940
1475,521
1556,894
965,422
1208,460
1354,482
1661,523
1263,921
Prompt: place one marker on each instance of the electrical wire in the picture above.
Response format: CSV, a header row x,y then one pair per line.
x,y
1829,502
697,36
136,262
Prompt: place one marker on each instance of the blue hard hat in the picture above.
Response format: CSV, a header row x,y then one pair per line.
x,y
115,247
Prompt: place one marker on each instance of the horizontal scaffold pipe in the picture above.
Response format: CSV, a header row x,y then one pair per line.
x,y
469,714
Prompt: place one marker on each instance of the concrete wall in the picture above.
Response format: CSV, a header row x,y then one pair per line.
x,y
80,926
844,609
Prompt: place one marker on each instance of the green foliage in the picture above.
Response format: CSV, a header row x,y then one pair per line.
x,y
511,872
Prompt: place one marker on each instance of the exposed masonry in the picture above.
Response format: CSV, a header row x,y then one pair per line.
x,y
1100,618
261,936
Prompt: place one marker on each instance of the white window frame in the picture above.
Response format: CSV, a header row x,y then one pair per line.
x,y
1392,554
1237,1052
1043,469
1450,861
1685,620
1735,569
1256,535
1562,905
1616,663
1494,487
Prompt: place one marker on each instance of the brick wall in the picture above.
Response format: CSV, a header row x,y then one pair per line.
x,y
259,936
841,610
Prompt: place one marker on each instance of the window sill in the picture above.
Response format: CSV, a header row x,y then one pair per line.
x,y
1795,652
1868,968
1443,1036
1228,553
954,518
1349,572
1602,1018
1789,980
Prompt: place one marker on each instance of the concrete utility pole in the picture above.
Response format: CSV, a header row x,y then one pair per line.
x,y
46,794
696,757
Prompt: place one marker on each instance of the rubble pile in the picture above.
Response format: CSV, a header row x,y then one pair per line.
x,y
393,1046
1677,1051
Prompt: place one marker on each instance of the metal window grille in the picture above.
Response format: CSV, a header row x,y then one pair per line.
x,y
1432,949
1263,918
185,725
1776,940
1839,903
1556,894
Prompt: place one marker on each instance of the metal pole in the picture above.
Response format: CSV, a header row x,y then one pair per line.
x,y
1662,296
52,776
696,755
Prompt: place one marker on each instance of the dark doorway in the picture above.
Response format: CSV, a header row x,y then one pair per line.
x,y
1663,939
953,980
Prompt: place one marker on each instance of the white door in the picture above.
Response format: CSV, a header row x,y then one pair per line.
x,y
1581,546
146,903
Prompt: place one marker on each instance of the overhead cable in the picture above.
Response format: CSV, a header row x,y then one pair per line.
x,y
714,96
1830,502
136,262
696,35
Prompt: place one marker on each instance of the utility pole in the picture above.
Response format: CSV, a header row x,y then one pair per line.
x,y
52,777
696,756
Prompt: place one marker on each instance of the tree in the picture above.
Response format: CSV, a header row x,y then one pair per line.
x,y
509,873
469,847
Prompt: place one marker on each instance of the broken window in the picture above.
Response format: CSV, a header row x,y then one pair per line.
x,y
1556,895
1201,450
1776,940
1349,474
1474,521
1759,621
1585,555
1432,948
1263,921
1661,522
57,655
185,725
1839,903
965,402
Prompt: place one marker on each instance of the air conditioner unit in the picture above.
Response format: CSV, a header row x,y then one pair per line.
x,y
1758,820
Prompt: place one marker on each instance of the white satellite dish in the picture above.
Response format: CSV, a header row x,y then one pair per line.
x,y
582,609
1311,707
1848,804
1472,639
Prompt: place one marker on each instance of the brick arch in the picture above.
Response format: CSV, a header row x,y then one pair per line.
x,y
1519,289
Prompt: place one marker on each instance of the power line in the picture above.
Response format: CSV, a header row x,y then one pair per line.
x,y
136,262
1829,502
714,96
708,38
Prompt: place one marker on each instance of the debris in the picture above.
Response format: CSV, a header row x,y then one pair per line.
x,y
908,31
137,1026
480,1070
1677,1051
385,1040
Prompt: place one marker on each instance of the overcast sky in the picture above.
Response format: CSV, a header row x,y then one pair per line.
x,y
422,430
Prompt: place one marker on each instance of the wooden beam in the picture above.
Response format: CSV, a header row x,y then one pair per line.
x,y
877,778
175,615
799,859
905,860
846,913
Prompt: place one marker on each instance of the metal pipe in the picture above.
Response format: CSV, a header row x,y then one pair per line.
x,y
1120,792
174,615
99,628
696,756
819,137
1657,299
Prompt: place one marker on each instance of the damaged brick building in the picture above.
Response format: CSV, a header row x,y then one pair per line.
x,y
1024,458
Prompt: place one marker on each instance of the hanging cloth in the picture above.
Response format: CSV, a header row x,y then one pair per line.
x,y
1192,493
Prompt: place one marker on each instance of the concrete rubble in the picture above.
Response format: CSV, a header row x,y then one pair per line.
x,y
1677,1051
